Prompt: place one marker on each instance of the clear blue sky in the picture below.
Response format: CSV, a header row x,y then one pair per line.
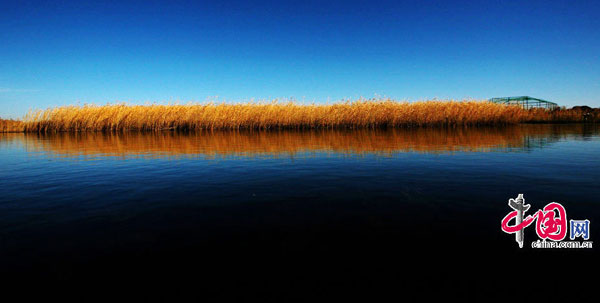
x,y
65,53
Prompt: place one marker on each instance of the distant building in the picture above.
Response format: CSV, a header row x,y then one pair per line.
x,y
526,102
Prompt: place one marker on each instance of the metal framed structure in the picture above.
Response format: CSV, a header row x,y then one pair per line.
x,y
526,102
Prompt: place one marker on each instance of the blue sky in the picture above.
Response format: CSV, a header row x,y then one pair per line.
x,y
322,51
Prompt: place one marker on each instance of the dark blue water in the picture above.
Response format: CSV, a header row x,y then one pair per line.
x,y
281,216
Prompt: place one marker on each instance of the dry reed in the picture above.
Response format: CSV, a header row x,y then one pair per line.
x,y
11,126
288,115
358,114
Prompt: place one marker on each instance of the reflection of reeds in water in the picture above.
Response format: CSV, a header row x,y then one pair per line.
x,y
273,143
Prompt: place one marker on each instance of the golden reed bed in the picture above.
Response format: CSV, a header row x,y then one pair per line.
x,y
290,142
277,115
11,126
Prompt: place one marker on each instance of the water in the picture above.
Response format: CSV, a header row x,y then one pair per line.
x,y
289,215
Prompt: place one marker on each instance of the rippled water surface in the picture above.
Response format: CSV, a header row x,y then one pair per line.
x,y
315,211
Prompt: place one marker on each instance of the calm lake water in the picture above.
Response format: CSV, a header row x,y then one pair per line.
x,y
286,215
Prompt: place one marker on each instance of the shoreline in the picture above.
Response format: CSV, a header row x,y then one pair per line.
x,y
305,129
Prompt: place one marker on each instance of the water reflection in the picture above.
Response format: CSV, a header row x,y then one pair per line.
x,y
91,219
285,143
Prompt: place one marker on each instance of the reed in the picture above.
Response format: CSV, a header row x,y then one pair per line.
x,y
273,115
11,126
284,115
538,115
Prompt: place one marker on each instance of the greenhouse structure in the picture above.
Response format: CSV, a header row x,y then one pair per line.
x,y
526,102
